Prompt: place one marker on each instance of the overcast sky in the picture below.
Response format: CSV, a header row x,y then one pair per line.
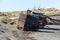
x,y
17,5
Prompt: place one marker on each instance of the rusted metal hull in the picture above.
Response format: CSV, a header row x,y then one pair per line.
x,y
32,22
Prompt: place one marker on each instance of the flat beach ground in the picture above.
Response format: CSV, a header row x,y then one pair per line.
x,y
10,32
